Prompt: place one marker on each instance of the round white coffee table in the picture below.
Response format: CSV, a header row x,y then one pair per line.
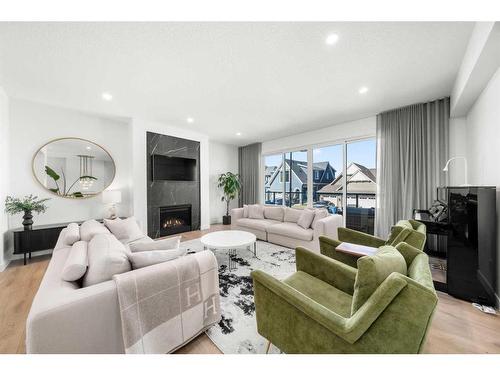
x,y
230,240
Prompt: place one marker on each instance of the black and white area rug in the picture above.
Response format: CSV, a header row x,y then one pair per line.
x,y
237,331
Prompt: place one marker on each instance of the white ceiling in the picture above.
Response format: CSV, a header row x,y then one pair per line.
x,y
264,80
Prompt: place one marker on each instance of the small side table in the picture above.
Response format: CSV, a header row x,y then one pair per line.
x,y
355,250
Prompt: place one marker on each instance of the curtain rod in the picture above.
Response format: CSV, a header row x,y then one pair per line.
x,y
411,105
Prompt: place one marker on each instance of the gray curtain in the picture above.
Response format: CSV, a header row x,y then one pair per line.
x,y
248,169
413,149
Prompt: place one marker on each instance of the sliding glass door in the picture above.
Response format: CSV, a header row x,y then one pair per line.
x,y
361,185
339,177
273,182
327,178
295,177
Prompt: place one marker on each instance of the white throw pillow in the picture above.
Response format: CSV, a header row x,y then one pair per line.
x,y
255,211
126,229
107,257
292,215
148,258
164,244
72,234
76,262
320,213
306,218
90,228
245,211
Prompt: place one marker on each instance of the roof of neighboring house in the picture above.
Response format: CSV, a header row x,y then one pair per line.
x,y
366,185
270,170
300,168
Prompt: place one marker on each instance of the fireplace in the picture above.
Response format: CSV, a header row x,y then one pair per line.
x,y
175,219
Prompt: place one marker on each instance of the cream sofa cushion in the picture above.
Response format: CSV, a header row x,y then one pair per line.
x,y
148,258
306,218
255,211
259,224
126,229
76,262
292,215
164,244
72,234
291,230
319,213
90,228
107,257
274,213
245,211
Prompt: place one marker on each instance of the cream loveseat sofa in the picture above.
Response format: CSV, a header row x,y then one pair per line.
x,y
279,225
68,318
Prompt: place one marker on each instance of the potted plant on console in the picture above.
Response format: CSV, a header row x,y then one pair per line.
x,y
28,205
231,185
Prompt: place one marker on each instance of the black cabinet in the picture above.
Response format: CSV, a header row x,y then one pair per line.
x,y
464,243
471,237
41,237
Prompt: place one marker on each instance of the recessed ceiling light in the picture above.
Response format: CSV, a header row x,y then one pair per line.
x,y
363,90
190,120
238,134
88,148
107,96
332,39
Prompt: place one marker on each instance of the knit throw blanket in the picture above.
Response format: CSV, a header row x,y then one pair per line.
x,y
165,305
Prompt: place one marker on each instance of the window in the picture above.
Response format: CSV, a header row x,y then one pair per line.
x,y
285,179
328,193
273,184
296,185
361,185
351,194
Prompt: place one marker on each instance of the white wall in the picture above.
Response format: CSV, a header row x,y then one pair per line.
x,y
345,131
458,147
4,175
480,61
223,158
32,125
139,164
483,145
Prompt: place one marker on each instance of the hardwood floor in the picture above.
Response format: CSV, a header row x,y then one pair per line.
x,y
457,327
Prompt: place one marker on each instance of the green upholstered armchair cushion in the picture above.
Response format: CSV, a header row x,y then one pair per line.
x,y
373,270
396,231
409,231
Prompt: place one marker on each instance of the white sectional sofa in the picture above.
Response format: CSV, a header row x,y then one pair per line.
x,y
278,225
68,318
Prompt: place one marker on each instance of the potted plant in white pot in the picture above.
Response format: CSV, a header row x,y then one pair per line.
x,y
231,185
28,205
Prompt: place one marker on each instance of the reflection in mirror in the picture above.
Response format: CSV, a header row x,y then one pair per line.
x,y
73,168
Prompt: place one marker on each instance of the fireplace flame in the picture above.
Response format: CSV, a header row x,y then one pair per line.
x,y
172,223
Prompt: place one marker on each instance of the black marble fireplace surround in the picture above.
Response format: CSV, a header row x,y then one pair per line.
x,y
176,196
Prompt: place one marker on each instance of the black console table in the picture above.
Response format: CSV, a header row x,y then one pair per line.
x,y
40,237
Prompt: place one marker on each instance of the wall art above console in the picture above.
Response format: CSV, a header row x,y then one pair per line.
x,y
73,167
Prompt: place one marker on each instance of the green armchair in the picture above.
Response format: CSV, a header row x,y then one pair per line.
x,y
328,306
410,231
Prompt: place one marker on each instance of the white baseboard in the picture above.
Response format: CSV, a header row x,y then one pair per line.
x,y
4,265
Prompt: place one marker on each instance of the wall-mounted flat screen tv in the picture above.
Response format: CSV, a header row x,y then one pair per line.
x,y
173,168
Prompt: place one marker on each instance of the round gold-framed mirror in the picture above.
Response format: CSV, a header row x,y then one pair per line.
x,y
73,167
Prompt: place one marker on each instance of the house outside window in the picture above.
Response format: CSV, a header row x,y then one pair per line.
x,y
287,176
